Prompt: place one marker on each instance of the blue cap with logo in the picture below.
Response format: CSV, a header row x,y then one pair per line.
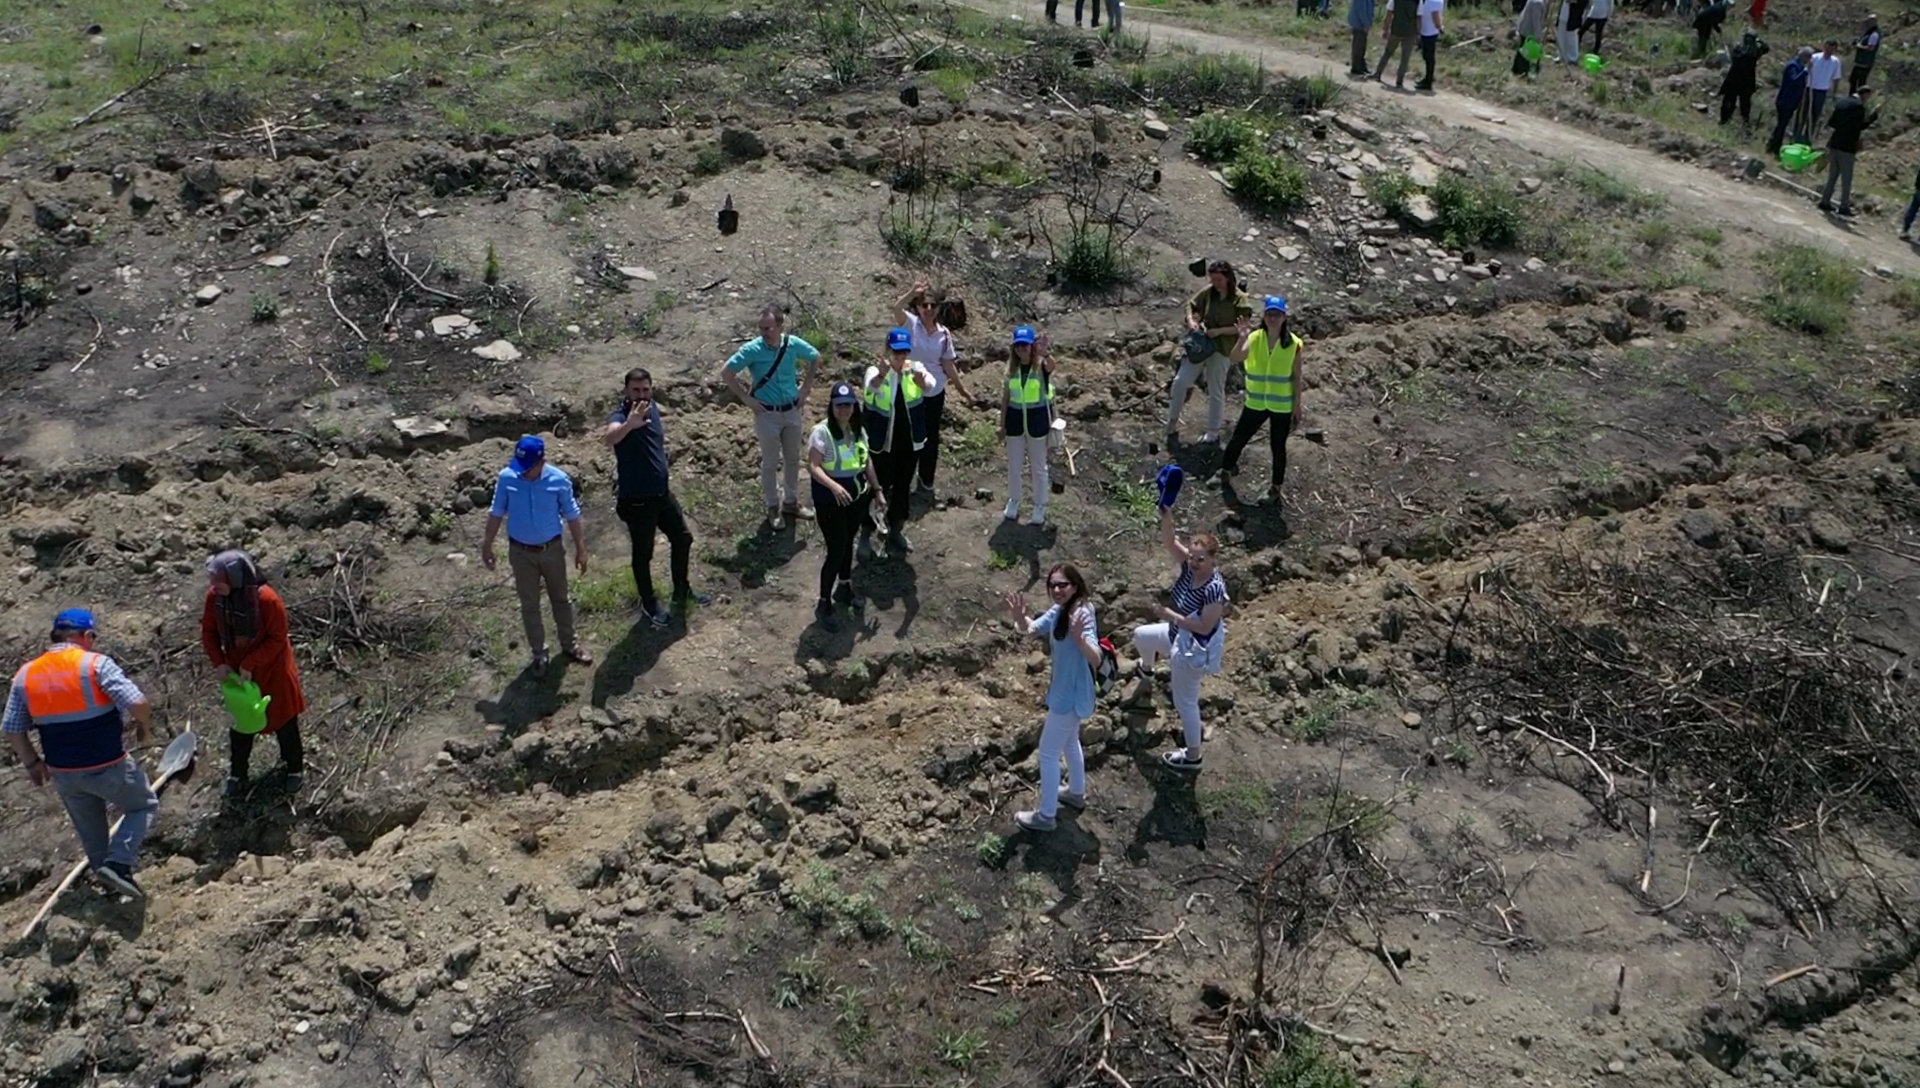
x,y
1275,302
528,453
74,619
1025,335
843,394
899,340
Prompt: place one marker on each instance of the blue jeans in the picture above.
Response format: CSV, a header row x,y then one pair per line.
x,y
88,793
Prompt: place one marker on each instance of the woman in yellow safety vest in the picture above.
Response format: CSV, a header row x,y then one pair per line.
x,y
1271,355
1026,406
896,422
844,485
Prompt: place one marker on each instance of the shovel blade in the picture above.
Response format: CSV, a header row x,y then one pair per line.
x,y
179,755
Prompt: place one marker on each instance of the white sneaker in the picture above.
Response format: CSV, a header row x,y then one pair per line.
x,y
1039,516
1012,512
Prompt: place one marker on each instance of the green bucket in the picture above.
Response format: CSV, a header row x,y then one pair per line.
x,y
1532,50
245,703
1594,63
1797,157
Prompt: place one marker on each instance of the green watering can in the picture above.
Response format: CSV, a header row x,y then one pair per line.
x,y
1532,50
245,703
1797,157
1594,63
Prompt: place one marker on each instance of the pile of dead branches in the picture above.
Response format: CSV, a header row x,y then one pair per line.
x,y
1735,689
341,616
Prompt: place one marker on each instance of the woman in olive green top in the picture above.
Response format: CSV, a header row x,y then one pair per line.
x,y
1216,310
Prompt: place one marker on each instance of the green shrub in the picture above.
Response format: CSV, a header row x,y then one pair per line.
x,y
1810,291
1093,257
1221,137
1392,191
1476,213
1267,181
1305,1063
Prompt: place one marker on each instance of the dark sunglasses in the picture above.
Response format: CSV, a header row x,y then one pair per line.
x,y
1059,585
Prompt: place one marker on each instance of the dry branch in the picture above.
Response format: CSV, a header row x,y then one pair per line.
x,y
326,279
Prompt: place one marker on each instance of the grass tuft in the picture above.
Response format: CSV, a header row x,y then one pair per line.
x,y
1809,291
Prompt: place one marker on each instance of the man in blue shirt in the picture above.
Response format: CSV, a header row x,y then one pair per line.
x,y
1789,103
534,499
778,396
638,439
80,700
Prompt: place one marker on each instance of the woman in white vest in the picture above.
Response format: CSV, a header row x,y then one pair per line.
x,y
1026,409
1191,635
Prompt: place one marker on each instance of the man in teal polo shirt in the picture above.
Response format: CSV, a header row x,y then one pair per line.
x,y
777,394
533,499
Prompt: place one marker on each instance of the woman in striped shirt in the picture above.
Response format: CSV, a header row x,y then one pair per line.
x,y
1191,634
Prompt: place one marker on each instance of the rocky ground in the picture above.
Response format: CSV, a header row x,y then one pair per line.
x,y
743,850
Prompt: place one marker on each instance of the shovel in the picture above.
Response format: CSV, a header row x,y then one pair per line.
x,y
175,763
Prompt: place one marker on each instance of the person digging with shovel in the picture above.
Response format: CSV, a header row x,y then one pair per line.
x,y
80,701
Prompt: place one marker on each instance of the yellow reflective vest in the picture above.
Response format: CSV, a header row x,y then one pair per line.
x,y
1270,373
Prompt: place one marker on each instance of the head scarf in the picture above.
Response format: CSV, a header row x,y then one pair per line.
x,y
239,610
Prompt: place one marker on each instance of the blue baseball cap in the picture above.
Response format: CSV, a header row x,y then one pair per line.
x,y
73,619
528,453
1275,302
899,340
1025,335
843,394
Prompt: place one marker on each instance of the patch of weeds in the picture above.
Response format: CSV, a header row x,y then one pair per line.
x,y
648,322
1393,190
916,229
1267,181
846,38
1656,234
708,161
1476,212
1368,818
999,560
1810,291
850,1016
1320,720
612,591
958,1051
1193,82
820,900
378,364
920,945
1706,235
1006,1016
266,308
965,911
1906,297
1612,192
1460,754
991,850
439,525
972,447
1139,501
1125,47
1321,91
1220,136
1306,1063
1091,260
952,83
801,980
1242,800
490,271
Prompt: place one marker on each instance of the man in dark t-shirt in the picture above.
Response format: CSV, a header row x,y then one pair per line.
x,y
645,502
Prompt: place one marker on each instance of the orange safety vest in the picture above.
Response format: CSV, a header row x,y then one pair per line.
x,y
62,687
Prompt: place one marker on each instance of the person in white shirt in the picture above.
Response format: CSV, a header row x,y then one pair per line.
x,y
1431,27
1864,52
1597,14
933,349
1823,75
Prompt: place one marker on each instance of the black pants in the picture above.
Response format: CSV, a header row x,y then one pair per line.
x,y
1782,117
936,409
1428,44
644,517
292,752
839,525
1599,28
1857,78
1741,100
896,483
1079,7
1249,424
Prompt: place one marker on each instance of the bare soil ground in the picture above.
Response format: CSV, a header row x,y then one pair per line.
x,y
1564,737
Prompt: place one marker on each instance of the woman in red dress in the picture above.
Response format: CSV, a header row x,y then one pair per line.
x,y
244,629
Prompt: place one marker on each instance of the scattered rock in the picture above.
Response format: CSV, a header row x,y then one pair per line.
x,y
1705,526
278,260
1291,253
1530,186
206,295
740,143
449,324
329,1051
1156,129
187,1060
499,351
51,215
1423,173
816,794
1420,209
1356,128
64,1055
1476,272
635,272
1829,532
66,939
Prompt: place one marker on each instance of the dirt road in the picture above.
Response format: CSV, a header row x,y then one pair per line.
x,y
1691,190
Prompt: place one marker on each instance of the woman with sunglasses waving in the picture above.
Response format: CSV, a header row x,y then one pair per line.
x,y
1069,628
845,484
1191,634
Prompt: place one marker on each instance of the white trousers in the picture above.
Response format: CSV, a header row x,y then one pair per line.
x,y
1024,454
1154,641
1060,737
